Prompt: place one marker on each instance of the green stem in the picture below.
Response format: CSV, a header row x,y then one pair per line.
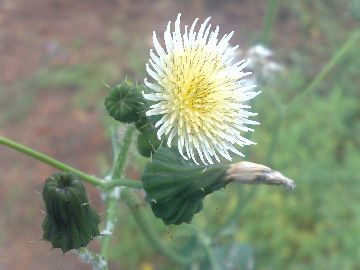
x,y
123,153
123,182
140,214
348,44
50,161
94,259
111,201
268,21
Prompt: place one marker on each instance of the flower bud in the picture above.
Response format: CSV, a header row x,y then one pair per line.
x,y
124,102
70,223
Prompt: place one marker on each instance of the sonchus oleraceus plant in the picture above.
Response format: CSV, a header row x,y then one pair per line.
x,y
190,118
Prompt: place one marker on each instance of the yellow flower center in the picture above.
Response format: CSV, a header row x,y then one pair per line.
x,y
190,79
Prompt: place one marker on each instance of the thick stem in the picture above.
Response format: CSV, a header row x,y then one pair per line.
x,y
123,153
123,182
94,259
112,200
51,161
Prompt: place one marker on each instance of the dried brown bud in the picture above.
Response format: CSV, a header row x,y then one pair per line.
x,y
251,173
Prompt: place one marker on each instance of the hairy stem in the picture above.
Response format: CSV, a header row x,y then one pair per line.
x,y
111,200
123,182
97,262
123,153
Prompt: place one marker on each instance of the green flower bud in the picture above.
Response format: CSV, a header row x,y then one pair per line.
x,y
70,223
176,187
125,102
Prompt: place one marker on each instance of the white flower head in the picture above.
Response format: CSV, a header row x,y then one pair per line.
x,y
200,93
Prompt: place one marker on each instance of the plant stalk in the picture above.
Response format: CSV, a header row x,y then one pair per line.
x,y
111,201
123,182
51,161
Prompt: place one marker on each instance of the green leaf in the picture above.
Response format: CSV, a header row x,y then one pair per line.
x,y
176,187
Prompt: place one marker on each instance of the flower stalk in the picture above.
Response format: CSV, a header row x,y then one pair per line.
x,y
95,181
125,182
96,260
111,201
51,161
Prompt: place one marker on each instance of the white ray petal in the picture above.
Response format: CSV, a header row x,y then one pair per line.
x,y
202,28
160,51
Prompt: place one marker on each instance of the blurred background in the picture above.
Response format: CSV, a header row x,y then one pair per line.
x,y
56,57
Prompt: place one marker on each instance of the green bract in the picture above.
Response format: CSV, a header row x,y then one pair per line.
x,y
69,223
147,145
124,102
147,141
146,123
176,187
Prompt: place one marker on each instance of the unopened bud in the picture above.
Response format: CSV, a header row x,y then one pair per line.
x,y
251,173
69,223
125,102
